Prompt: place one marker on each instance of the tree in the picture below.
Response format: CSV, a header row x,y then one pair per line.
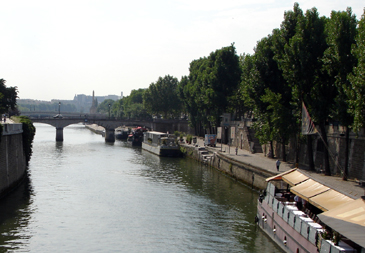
x,y
302,67
8,96
212,84
162,97
270,97
132,105
281,41
356,93
117,109
339,63
105,106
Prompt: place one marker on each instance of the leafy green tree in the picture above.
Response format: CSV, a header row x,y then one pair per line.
x,y
105,106
212,84
180,92
8,96
117,109
270,97
195,93
136,97
132,105
281,40
137,111
302,67
339,63
237,104
162,97
356,93
186,91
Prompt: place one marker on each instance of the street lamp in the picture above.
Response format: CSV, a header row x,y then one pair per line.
x,y
109,111
59,108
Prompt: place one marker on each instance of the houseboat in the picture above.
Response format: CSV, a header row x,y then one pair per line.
x,y
121,133
302,215
162,144
135,137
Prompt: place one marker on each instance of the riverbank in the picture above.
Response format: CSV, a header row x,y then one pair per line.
x,y
13,165
96,129
253,169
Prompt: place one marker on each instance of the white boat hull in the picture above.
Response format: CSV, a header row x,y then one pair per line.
x,y
172,151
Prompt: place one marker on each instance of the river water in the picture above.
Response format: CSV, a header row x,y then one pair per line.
x,y
84,195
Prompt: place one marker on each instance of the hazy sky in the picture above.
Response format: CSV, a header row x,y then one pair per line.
x,y
55,49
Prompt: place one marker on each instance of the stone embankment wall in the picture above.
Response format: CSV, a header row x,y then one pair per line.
x,y
244,138
252,176
12,159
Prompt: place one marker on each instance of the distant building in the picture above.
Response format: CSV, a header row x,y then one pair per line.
x,y
82,102
85,102
93,105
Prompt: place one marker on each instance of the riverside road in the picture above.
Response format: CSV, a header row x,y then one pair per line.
x,y
350,188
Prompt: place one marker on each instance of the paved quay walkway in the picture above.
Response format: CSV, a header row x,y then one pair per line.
x,y
350,188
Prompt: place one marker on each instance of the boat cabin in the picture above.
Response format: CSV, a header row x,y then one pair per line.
x,y
297,212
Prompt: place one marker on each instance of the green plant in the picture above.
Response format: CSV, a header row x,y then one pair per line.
x,y
189,137
27,136
336,238
325,235
182,150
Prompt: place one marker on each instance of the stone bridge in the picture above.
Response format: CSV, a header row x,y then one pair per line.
x,y
109,124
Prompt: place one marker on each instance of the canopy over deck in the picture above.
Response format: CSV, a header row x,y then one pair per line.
x,y
348,219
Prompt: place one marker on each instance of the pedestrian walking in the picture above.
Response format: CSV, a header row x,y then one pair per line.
x,y
277,164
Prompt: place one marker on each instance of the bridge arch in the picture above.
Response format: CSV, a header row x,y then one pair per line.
x,y
108,124
162,125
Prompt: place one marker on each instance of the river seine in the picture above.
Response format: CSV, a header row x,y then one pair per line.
x,y
84,195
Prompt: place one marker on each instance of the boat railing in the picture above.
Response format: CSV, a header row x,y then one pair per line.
x,y
300,220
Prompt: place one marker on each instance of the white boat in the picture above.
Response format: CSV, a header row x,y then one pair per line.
x,y
162,144
302,215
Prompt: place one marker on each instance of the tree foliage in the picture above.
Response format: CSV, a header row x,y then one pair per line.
x,y
210,87
356,92
161,97
8,96
105,106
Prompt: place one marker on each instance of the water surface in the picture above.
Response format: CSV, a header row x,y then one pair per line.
x,y
85,195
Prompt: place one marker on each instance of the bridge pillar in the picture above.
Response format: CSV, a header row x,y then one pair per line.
x,y
109,135
59,133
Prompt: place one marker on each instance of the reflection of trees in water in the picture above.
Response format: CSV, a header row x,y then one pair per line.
x,y
221,199
15,214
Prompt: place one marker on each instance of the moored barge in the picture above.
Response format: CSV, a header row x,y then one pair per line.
x,y
302,215
161,144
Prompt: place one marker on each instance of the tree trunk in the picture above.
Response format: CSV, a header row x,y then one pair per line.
x,y
347,140
283,153
327,169
271,152
297,149
310,153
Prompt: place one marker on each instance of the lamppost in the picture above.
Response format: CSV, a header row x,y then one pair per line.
x,y
109,111
59,108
